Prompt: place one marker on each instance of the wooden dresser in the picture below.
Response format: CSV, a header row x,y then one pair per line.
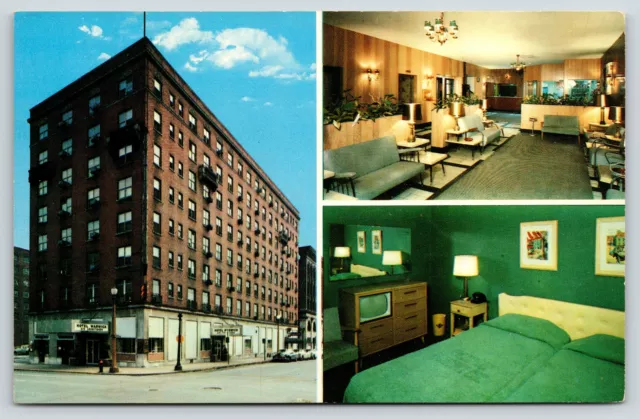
x,y
407,320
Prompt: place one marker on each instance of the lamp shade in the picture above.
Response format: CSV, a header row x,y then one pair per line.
x,y
412,112
465,265
602,101
342,252
616,114
456,109
114,291
392,257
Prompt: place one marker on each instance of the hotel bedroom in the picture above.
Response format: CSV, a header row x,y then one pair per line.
x,y
544,321
518,105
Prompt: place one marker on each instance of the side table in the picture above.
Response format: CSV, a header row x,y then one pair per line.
x,y
468,310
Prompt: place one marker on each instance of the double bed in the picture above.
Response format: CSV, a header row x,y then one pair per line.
x,y
537,350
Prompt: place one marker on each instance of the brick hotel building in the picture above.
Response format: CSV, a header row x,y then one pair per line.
x,y
135,184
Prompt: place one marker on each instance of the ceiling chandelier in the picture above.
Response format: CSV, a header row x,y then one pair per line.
x,y
518,65
439,32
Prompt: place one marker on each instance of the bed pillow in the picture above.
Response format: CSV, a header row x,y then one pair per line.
x,y
606,347
532,327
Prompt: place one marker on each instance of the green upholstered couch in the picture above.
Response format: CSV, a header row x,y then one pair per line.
x,y
376,164
335,351
561,124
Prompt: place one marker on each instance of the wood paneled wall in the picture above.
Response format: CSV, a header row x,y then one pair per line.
x,y
616,54
356,52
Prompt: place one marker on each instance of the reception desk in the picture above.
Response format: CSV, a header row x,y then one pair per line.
x,y
504,103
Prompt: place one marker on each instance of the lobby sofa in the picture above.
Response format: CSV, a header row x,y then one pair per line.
x,y
376,166
561,124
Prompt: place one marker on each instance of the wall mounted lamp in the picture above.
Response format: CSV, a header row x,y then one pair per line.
x,y
426,87
373,74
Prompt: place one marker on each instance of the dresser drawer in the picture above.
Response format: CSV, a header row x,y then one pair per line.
x,y
376,328
409,306
409,293
410,331
409,319
375,344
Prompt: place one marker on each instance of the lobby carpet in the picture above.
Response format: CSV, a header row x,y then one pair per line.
x,y
527,168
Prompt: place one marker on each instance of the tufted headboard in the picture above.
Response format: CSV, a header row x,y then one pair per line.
x,y
577,320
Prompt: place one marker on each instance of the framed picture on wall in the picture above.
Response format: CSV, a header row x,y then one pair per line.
x,y
610,246
376,242
539,245
362,242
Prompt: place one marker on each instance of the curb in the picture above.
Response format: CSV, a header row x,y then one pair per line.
x,y
129,374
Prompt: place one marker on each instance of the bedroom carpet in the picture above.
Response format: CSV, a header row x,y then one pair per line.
x,y
527,167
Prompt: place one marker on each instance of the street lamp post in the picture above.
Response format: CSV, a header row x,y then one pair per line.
x,y
178,365
278,318
114,361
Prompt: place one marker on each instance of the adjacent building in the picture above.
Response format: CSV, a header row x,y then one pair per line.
x,y
137,186
20,296
307,306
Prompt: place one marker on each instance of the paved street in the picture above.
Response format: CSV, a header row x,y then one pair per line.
x,y
293,382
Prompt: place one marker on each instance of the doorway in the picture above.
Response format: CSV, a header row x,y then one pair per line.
x,y
93,351
406,88
218,348
445,86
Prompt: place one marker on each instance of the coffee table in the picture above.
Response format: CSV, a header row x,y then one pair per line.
x,y
473,142
430,159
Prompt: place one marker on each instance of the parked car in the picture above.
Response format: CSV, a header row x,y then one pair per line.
x,y
21,350
313,354
285,355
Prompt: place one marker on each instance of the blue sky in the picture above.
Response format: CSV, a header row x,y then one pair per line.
x,y
255,71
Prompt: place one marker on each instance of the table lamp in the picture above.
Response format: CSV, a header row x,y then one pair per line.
x,y
602,103
392,258
465,266
456,109
484,109
411,113
616,114
342,253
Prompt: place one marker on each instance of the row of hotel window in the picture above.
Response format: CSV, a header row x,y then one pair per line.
x,y
124,118
125,290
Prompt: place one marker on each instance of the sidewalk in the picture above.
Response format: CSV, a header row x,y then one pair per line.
x,y
169,369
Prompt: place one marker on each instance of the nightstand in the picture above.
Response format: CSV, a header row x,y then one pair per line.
x,y
469,310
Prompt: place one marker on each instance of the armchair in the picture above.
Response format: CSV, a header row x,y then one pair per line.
x,y
335,350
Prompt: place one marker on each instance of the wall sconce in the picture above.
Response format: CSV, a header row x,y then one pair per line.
x,y
373,75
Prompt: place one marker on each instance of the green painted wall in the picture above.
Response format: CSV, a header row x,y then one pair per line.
x,y
393,238
493,233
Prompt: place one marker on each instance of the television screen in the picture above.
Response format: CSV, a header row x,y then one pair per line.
x,y
507,90
375,306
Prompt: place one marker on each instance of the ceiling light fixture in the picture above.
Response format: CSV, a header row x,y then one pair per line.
x,y
439,32
518,65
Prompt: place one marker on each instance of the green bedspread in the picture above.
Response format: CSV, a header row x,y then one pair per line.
x,y
480,365
589,370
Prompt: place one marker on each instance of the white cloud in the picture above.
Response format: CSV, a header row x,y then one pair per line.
x,y
312,67
228,58
191,68
266,71
268,104
95,31
247,99
196,59
104,56
260,43
131,20
186,32
156,25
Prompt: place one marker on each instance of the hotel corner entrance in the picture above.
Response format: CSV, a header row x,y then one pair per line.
x,y
92,351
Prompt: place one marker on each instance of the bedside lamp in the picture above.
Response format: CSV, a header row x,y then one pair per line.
x,y
602,103
392,258
342,253
465,266
456,109
411,113
484,109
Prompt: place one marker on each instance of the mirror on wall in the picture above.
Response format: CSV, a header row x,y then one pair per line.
x,y
553,88
363,251
531,88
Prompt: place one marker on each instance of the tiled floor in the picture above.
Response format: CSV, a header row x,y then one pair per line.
x,y
440,179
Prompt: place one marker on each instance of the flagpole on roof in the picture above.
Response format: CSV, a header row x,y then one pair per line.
x,y
144,24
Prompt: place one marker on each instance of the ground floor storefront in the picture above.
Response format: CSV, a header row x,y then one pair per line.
x,y
148,337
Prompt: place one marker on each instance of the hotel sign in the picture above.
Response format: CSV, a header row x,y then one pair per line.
x,y
228,331
90,327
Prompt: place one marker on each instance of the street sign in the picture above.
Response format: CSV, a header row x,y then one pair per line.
x,y
228,331
90,327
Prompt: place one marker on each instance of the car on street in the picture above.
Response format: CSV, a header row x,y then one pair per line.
x,y
285,355
21,350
